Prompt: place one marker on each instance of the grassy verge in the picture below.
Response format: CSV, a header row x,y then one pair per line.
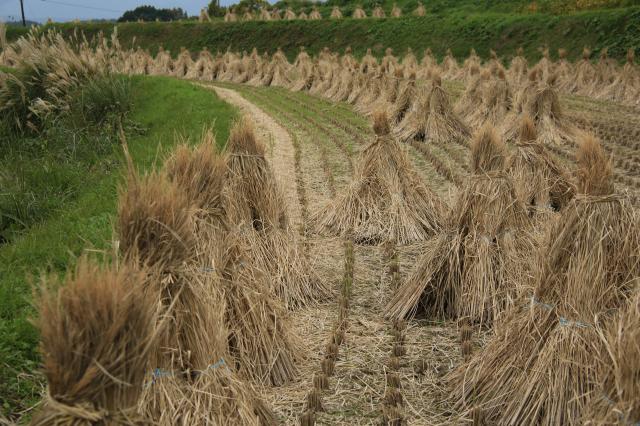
x,y
617,29
165,107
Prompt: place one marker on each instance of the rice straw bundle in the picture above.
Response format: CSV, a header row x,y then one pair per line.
x,y
450,68
542,105
413,124
395,11
389,61
254,201
251,194
496,102
472,95
275,15
626,87
587,266
420,10
378,12
260,338
336,13
442,123
96,334
369,63
303,16
545,66
387,200
202,69
315,14
404,100
540,182
204,15
518,69
156,228
248,16
182,63
359,13
469,270
289,14
584,76
410,62
616,401
264,14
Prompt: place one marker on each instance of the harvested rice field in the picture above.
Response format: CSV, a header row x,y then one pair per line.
x,y
393,241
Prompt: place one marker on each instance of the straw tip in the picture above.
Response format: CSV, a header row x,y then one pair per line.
x,y
381,123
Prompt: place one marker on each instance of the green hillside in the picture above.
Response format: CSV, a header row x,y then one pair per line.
x,y
617,29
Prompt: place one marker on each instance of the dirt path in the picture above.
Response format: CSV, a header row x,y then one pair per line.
x,y
281,152
358,386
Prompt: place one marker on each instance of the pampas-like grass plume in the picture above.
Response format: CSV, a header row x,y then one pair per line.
x,y
387,200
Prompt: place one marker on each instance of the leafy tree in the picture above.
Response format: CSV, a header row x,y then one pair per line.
x,y
150,13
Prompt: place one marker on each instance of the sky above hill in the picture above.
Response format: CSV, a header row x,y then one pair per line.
x,y
67,10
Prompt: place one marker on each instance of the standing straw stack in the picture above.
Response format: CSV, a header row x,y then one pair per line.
x,y
156,226
473,269
616,401
336,13
587,267
387,200
96,332
359,13
540,182
255,205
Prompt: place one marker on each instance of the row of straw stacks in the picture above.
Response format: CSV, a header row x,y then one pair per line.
x,y
289,14
191,316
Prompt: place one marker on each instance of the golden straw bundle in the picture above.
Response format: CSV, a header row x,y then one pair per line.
x,y
387,200
546,346
540,182
254,203
472,270
96,332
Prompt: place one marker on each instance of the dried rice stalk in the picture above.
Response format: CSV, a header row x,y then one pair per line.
x,y
254,203
469,271
96,334
540,182
616,401
387,200
547,345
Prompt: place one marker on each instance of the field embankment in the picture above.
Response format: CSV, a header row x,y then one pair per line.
x,y
616,29
161,108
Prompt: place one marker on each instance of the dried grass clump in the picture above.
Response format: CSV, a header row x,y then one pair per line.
x,y
432,118
204,15
473,268
547,345
420,10
336,13
387,200
616,400
251,194
289,14
260,338
155,222
254,203
96,332
359,13
540,182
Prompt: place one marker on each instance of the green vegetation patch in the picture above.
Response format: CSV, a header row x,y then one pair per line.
x,y
78,214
